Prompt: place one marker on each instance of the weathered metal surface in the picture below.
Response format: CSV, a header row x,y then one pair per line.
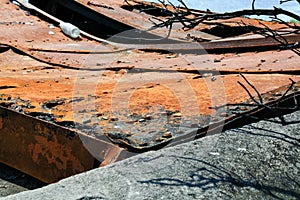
x,y
47,151
40,77
112,16
23,38
43,150
179,128
59,50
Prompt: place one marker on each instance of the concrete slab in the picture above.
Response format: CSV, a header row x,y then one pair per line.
x,y
13,181
256,161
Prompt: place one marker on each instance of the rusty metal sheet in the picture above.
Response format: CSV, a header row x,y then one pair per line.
x,y
29,150
258,62
152,130
116,16
285,62
238,115
72,54
219,44
144,139
131,14
48,91
19,28
141,99
51,83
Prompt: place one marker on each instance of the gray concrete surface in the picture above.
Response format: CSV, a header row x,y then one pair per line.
x,y
257,161
13,181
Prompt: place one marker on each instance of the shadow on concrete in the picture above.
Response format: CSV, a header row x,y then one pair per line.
x,y
16,177
213,177
269,134
209,177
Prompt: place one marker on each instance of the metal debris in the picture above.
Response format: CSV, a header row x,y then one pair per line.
x,y
40,67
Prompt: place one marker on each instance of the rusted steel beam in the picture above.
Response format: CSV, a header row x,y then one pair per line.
x,y
47,151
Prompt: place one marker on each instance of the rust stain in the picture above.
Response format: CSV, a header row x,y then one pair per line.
x,y
54,153
1,123
44,75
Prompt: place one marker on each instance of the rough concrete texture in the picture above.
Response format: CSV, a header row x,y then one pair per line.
x,y
257,161
13,181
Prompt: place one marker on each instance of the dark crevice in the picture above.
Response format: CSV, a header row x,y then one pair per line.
x,y
52,103
82,17
19,178
42,116
92,21
4,48
7,87
148,9
225,31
